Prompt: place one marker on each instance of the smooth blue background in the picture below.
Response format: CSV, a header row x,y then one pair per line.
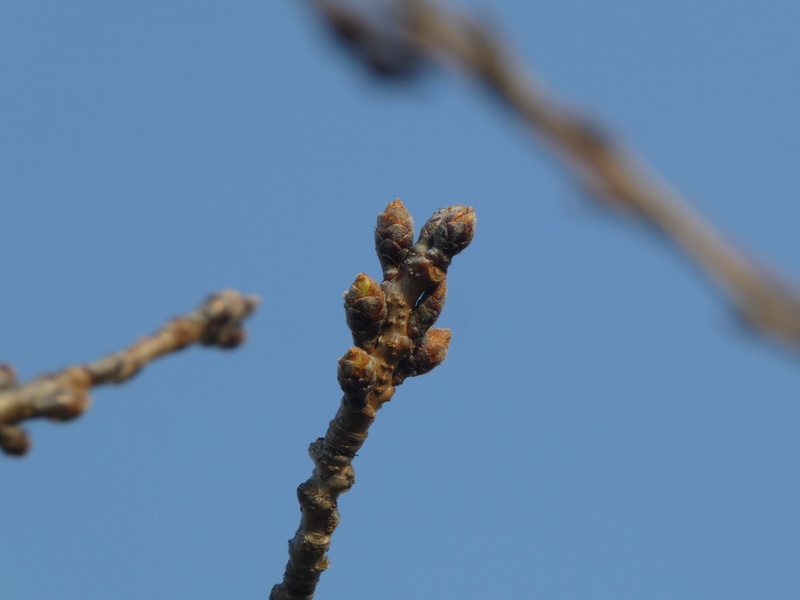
x,y
602,427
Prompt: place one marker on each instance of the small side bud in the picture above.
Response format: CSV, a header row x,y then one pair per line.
x,y
356,375
365,309
394,235
13,440
225,312
427,310
429,352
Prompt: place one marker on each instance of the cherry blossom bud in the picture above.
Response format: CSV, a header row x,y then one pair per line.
x,y
429,352
365,309
394,235
356,375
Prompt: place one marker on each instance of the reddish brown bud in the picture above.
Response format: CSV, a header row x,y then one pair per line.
x,y
446,233
356,375
427,231
456,231
429,352
365,309
394,235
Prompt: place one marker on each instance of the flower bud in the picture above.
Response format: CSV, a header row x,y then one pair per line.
x,y
394,235
427,231
356,375
447,233
365,309
456,231
429,352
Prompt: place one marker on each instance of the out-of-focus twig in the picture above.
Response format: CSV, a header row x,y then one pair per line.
x,y
420,31
64,395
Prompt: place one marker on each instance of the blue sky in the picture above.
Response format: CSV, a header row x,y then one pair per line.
x,y
602,428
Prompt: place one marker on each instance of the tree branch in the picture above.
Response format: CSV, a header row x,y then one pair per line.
x,y
417,32
64,395
392,330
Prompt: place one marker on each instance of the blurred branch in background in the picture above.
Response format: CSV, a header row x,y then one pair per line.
x,y
64,395
399,38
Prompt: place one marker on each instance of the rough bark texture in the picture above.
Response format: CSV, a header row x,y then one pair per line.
x,y
392,330
64,395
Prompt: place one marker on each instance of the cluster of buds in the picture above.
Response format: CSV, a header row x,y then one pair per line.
x,y
392,322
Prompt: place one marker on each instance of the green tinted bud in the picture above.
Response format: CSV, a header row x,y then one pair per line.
x,y
365,309
356,375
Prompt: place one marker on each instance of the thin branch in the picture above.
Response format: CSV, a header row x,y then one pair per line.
x,y
394,339
64,395
421,31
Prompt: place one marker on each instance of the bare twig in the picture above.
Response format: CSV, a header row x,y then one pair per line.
x,y
392,330
421,31
64,395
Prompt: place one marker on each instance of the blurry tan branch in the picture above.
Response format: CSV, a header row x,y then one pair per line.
x,y
399,43
64,395
392,327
